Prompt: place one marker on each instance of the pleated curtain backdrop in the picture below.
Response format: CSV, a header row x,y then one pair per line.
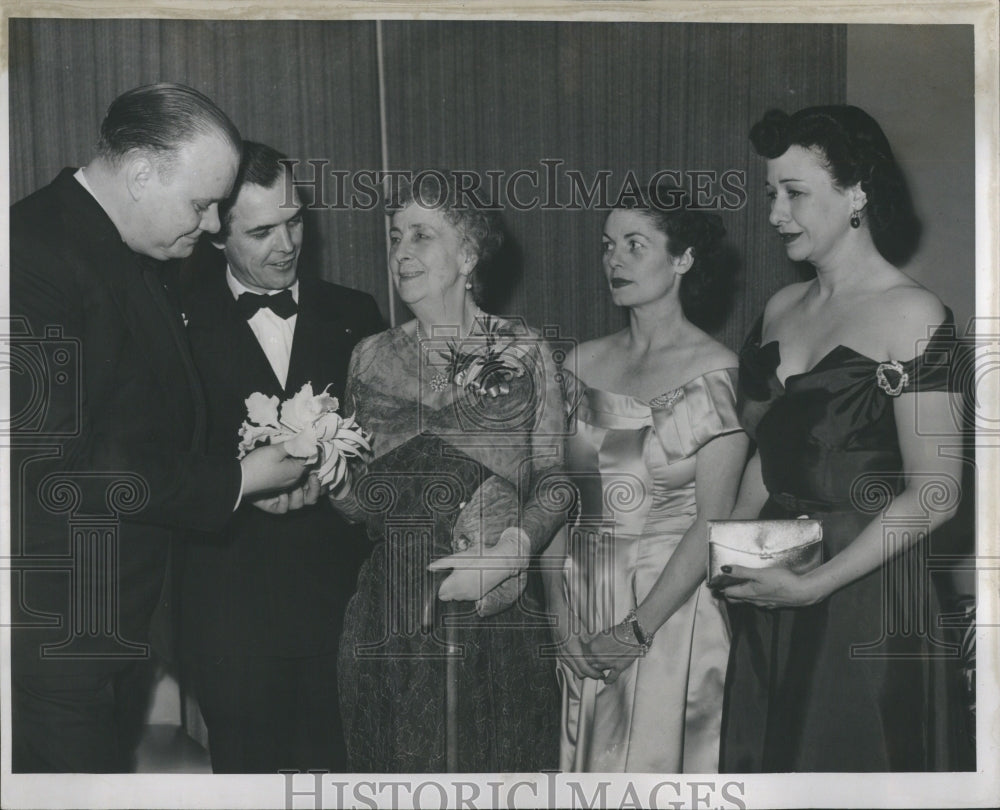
x,y
477,96
309,89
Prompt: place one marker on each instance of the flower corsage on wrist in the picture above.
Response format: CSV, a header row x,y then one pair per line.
x,y
635,634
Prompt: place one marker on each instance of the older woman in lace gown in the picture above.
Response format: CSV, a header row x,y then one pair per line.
x,y
466,415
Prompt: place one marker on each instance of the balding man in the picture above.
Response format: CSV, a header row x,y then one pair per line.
x,y
114,437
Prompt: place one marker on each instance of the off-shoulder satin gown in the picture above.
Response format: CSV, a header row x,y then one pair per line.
x,y
633,463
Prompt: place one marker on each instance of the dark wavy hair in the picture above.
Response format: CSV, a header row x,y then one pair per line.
x,y
261,165
481,228
855,150
160,119
707,287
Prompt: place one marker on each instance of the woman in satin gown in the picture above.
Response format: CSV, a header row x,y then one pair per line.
x,y
844,385
656,451
454,503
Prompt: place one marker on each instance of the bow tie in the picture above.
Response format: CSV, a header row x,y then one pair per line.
x,y
281,304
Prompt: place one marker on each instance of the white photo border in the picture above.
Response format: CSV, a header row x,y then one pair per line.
x,y
974,789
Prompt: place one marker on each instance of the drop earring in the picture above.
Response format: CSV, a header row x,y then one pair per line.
x,y
855,220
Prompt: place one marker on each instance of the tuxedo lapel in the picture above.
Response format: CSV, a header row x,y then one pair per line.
x,y
228,352
153,279
135,284
302,364
321,345
235,339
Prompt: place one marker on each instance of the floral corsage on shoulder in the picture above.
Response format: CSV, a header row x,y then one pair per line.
x,y
310,428
486,363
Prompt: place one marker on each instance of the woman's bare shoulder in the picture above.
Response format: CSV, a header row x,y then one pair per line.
x,y
910,314
784,299
714,355
591,354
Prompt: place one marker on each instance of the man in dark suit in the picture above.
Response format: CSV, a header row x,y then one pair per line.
x,y
109,419
263,600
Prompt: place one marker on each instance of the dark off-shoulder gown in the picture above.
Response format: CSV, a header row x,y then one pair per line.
x,y
862,681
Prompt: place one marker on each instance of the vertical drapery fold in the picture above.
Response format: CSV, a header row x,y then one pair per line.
x,y
500,96
640,97
308,88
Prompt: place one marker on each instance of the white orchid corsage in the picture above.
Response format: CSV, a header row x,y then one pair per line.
x,y
489,364
310,428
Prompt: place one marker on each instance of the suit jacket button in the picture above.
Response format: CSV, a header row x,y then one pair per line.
x,y
348,330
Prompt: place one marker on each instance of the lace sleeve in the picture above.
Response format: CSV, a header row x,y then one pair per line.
x,y
345,501
361,359
545,507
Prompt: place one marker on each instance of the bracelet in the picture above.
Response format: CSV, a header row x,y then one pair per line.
x,y
644,639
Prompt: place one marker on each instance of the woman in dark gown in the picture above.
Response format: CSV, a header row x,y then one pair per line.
x,y
444,671
845,387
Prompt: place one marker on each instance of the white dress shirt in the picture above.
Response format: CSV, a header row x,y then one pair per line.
x,y
82,180
274,334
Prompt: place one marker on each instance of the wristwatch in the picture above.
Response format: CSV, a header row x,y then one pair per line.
x,y
643,638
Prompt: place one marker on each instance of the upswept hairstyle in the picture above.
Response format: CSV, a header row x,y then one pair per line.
x,y
481,228
855,151
707,287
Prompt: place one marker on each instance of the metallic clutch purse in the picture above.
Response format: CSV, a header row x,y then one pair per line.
x,y
793,544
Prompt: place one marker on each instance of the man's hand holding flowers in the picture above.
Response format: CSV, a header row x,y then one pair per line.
x,y
307,427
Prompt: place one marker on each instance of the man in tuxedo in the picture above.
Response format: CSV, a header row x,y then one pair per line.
x,y
263,601
108,419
